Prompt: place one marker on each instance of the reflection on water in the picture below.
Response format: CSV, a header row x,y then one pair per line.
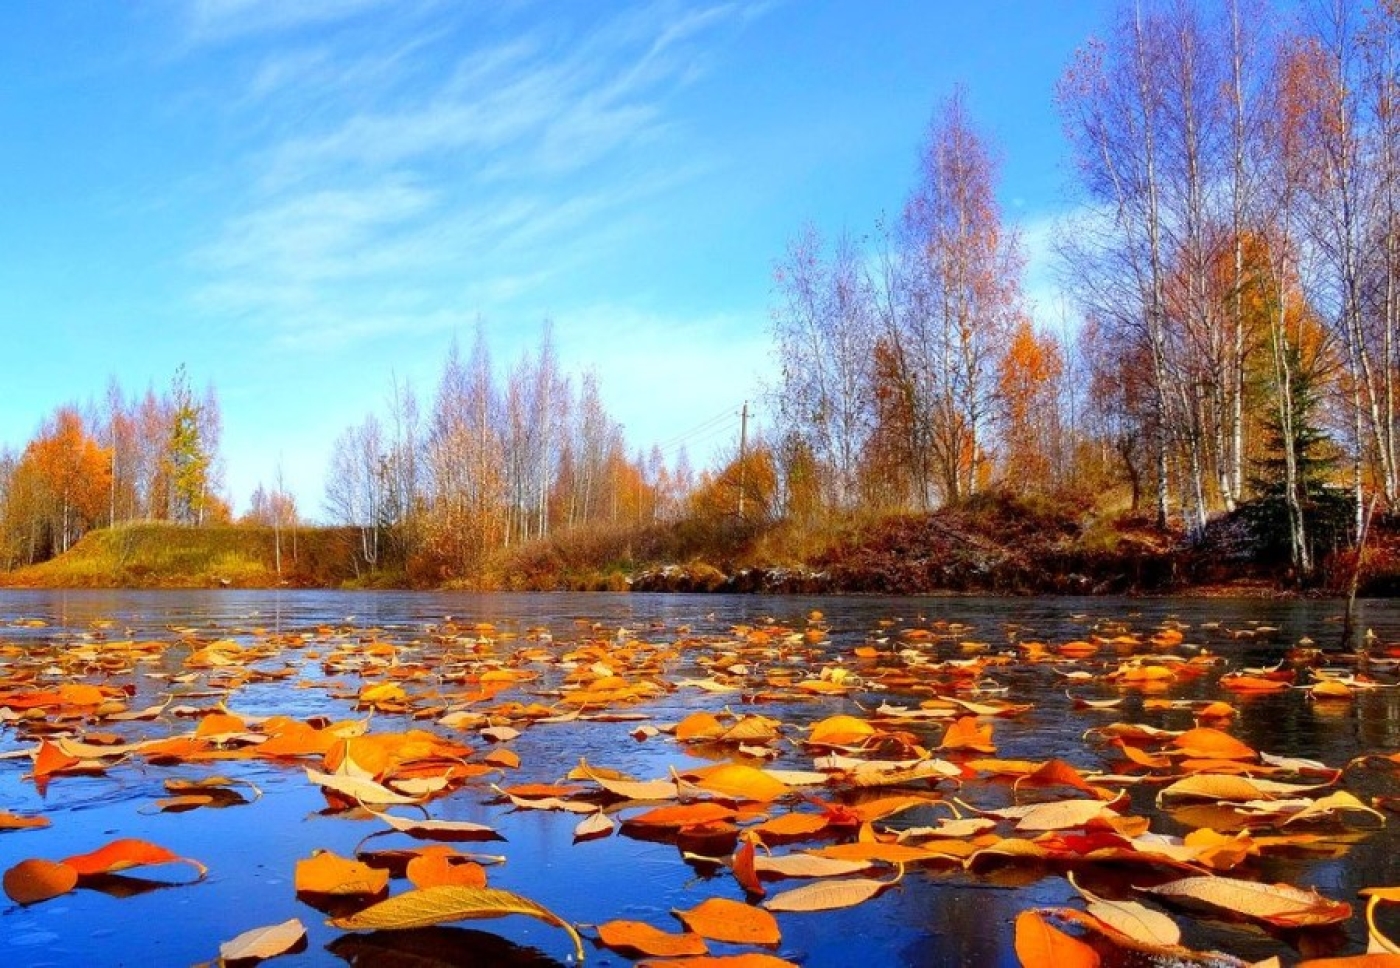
x,y
937,917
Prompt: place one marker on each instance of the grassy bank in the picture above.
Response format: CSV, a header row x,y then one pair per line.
x,y
994,544
170,556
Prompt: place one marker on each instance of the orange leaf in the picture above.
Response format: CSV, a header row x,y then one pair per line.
x,y
966,734
1208,743
328,873
720,919
792,825
642,938
125,854
13,821
32,881
744,871
50,760
840,731
683,815
1039,945
439,864
749,960
698,726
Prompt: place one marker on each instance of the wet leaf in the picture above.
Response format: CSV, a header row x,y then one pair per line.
x,y
1040,945
1135,920
639,938
328,873
720,919
596,824
125,854
748,960
266,942
13,821
828,895
442,905
440,865
1278,904
35,880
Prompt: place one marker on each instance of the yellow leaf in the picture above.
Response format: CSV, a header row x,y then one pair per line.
x,y
829,895
443,905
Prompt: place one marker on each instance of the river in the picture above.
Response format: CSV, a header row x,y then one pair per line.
x,y
941,916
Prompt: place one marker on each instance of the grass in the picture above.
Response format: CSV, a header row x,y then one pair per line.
x,y
171,556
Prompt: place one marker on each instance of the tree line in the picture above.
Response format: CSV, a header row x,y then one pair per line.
x,y
1233,264
148,457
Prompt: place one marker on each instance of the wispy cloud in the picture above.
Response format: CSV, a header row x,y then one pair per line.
x,y
214,21
407,179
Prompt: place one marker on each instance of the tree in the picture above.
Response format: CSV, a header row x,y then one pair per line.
x,y
188,456
71,475
950,304
1027,392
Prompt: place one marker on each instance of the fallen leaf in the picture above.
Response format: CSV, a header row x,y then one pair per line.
x,y
35,880
328,873
720,919
829,895
442,905
125,854
638,937
266,942
1278,904
1040,945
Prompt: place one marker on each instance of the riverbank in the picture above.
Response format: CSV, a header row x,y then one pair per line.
x,y
994,545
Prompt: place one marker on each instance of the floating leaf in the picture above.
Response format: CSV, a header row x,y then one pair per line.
x,y
125,854
1278,904
829,895
13,821
720,919
1040,945
443,905
440,865
1135,920
596,824
638,937
35,880
267,942
328,873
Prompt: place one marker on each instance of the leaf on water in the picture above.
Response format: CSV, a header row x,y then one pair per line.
x,y
440,865
1278,904
13,821
737,781
597,824
443,905
746,960
829,895
720,919
266,942
682,815
1137,921
328,873
358,788
35,880
808,865
453,830
967,733
125,854
638,937
1040,945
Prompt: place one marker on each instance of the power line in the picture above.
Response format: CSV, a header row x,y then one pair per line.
x,y
726,414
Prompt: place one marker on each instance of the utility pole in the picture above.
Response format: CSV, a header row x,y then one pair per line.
x,y
743,452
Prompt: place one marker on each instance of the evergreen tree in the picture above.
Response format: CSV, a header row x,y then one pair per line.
x,y
1328,510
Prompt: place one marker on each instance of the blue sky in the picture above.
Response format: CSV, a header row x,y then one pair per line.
x,y
299,200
